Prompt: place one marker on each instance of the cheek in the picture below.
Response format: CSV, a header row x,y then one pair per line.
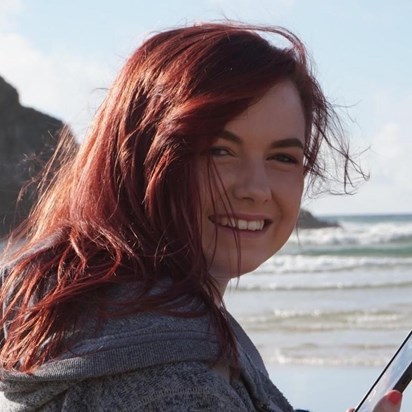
x,y
288,190
289,202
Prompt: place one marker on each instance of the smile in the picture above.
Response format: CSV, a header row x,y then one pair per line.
x,y
239,224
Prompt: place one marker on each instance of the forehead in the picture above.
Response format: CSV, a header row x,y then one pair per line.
x,y
277,115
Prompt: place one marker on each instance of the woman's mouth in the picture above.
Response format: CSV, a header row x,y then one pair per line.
x,y
239,224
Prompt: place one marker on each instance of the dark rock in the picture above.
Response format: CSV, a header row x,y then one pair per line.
x,y
27,140
308,221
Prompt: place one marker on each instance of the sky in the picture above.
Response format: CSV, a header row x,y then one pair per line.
x,y
63,55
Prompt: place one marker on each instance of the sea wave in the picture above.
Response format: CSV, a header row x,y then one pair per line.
x,y
328,335
327,353
326,320
256,287
355,234
380,250
283,263
355,358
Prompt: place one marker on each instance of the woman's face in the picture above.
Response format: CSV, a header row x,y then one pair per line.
x,y
259,158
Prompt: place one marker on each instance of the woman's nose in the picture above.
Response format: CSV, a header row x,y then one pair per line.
x,y
252,183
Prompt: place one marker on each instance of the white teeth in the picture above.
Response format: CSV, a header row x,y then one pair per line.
x,y
240,224
253,226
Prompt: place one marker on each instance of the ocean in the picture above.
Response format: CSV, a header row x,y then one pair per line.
x,y
339,299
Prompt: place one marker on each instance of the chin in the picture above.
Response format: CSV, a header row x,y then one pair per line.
x,y
234,271
249,267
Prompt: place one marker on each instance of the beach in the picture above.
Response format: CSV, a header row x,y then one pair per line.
x,y
330,309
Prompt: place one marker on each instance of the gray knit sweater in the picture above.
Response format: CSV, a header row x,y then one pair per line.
x,y
145,362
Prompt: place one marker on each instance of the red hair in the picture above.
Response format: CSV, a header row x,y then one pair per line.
x,y
125,205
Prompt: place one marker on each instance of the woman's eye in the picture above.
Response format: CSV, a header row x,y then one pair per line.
x,y
285,158
219,151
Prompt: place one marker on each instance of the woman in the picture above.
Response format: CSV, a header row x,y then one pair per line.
x,y
191,175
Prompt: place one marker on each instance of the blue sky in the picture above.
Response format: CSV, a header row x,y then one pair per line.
x,y
61,55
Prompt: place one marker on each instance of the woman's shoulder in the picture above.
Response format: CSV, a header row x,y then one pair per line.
x,y
144,340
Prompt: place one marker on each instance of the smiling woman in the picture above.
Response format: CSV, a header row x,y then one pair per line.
x,y
260,167
191,174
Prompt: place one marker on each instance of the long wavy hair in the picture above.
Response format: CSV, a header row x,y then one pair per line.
x,y
124,206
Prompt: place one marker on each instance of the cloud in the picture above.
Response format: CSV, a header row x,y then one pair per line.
x,y
61,84
389,158
389,161
391,145
8,8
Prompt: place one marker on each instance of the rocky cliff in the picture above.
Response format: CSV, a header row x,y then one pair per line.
x,y
27,139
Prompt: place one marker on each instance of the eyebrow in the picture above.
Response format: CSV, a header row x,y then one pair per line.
x,y
289,142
